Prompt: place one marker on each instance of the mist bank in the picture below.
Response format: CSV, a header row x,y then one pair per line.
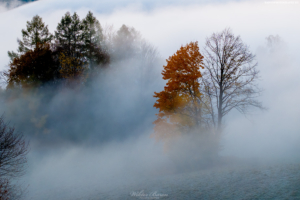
x,y
118,104
86,138
95,139
271,135
115,105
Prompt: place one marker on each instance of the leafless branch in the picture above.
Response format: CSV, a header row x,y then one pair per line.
x,y
13,151
230,76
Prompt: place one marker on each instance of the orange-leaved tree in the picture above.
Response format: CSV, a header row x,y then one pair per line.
x,y
179,104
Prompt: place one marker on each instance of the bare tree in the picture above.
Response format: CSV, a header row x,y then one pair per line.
x,y
229,79
13,151
4,189
149,57
10,191
3,78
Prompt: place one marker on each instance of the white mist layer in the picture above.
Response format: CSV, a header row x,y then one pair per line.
x,y
75,172
269,135
170,26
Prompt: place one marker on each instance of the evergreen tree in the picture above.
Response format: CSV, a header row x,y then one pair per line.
x,y
126,43
69,35
36,32
93,41
70,46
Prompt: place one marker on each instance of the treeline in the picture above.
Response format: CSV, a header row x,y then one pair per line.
x,y
203,87
70,72
68,54
76,52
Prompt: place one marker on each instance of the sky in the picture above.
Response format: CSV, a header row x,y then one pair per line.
x,y
166,25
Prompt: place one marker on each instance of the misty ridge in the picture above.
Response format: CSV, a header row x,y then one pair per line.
x,y
89,117
10,4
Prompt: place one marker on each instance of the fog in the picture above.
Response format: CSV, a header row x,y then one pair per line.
x,y
273,134
87,143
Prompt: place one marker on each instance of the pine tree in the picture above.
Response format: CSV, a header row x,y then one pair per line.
x,y
36,32
93,41
70,46
69,35
126,43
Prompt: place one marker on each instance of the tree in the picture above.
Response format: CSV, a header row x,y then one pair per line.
x,y
69,35
5,190
229,79
148,58
180,105
70,67
127,47
93,41
125,43
34,68
36,33
13,151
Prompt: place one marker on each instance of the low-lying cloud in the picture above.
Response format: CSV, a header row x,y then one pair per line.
x,y
101,136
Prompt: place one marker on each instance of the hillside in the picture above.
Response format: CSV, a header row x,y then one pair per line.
x,y
10,4
252,182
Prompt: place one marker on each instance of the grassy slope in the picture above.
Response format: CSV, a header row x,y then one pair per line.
x,y
244,182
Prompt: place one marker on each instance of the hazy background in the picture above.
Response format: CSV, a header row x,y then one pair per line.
x,y
121,110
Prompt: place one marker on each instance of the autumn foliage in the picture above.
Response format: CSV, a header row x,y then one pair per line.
x,y
179,103
71,67
77,49
33,68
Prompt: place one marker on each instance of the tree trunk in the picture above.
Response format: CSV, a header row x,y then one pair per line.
x,y
220,113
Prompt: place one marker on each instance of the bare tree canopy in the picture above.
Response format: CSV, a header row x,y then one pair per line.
x,y
13,151
230,76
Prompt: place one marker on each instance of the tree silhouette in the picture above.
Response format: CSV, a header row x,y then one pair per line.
x,y
34,68
13,151
93,49
125,43
69,35
36,32
230,76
